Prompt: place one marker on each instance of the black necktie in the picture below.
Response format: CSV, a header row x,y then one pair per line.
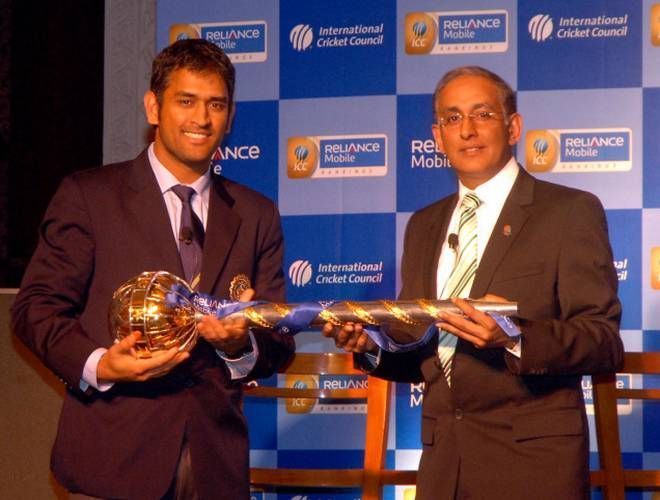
x,y
191,236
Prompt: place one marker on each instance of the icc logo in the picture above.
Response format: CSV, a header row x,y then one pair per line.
x,y
300,272
540,148
655,268
302,157
182,32
540,27
655,24
409,493
541,151
301,37
301,405
301,153
420,33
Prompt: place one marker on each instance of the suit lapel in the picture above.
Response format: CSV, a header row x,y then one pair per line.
x,y
221,229
149,214
512,218
435,240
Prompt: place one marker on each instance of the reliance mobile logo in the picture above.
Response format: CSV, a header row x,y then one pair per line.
x,y
326,405
300,273
301,37
457,32
579,150
243,42
424,154
623,381
542,26
337,156
241,152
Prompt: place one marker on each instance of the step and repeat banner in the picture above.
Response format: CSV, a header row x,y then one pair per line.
x,y
333,121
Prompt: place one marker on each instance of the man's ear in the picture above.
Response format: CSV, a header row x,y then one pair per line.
x,y
151,107
515,128
437,135
230,120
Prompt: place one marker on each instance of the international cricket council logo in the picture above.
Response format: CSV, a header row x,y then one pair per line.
x,y
302,157
541,151
655,25
655,268
420,33
301,405
183,32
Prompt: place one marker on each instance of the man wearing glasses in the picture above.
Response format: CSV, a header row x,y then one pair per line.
x,y
503,414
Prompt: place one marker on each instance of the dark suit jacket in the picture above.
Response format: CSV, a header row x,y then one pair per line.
x,y
103,227
516,428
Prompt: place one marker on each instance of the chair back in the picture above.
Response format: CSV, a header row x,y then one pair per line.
x,y
377,395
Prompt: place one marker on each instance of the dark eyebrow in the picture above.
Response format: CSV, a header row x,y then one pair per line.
x,y
222,99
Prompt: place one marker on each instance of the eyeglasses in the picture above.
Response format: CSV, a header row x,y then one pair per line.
x,y
483,117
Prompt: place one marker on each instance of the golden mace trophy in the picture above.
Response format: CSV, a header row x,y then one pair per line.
x,y
165,310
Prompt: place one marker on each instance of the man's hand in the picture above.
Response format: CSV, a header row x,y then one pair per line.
x,y
120,362
351,338
227,335
475,326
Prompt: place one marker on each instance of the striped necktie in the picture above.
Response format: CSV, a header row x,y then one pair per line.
x,y
191,236
461,278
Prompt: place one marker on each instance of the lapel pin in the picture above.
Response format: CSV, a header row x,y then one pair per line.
x,y
506,230
238,285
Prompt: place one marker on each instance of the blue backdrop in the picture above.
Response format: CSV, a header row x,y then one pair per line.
x,y
333,122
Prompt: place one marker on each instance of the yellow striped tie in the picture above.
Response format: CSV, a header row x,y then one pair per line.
x,y
461,278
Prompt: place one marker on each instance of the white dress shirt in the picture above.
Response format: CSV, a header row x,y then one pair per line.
x,y
492,193
200,204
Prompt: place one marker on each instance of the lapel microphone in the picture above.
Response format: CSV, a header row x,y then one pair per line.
x,y
452,240
186,235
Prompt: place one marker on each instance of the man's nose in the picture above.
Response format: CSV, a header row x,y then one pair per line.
x,y
467,127
201,114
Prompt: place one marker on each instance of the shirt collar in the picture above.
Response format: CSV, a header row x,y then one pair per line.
x,y
496,189
166,180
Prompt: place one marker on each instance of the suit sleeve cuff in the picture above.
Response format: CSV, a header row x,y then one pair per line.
x,y
516,350
88,378
241,367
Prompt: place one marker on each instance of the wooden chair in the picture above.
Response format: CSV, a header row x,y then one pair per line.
x,y
611,476
369,477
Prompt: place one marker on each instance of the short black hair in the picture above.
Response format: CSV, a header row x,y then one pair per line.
x,y
196,55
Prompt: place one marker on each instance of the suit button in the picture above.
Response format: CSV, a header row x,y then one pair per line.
x,y
458,414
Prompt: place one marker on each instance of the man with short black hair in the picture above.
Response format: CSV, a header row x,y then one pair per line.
x,y
169,426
